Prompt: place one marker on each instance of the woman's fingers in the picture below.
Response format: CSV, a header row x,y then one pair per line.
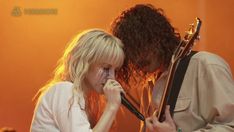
x,y
113,84
112,90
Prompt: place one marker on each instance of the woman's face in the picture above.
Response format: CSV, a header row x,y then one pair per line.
x,y
98,75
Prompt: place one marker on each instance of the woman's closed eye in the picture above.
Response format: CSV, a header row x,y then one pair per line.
x,y
106,71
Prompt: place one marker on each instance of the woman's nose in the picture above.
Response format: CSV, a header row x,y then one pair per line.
x,y
111,74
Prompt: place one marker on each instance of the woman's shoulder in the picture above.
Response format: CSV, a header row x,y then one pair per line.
x,y
62,85
59,89
58,95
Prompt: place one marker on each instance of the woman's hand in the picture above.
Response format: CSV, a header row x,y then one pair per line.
x,y
153,124
112,90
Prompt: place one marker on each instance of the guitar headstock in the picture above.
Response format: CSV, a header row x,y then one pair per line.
x,y
193,32
187,42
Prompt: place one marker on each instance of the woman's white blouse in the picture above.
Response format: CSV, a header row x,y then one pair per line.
x,y
54,112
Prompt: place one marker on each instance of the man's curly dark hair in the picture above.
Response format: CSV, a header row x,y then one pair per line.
x,y
144,29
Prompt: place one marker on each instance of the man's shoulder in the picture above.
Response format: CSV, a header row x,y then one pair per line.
x,y
208,58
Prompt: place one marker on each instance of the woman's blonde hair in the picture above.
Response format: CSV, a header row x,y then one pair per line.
x,y
87,48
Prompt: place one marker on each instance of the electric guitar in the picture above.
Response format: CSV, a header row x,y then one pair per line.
x,y
183,49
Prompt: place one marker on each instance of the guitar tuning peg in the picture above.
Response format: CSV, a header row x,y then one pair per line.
x,y
187,32
198,37
192,25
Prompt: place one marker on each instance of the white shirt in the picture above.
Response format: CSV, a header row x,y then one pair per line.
x,y
206,99
52,112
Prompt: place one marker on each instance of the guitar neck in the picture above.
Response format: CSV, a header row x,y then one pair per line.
x,y
171,72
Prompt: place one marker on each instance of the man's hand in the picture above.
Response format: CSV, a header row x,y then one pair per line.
x,y
153,124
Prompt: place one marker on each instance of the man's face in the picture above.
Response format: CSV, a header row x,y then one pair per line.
x,y
148,63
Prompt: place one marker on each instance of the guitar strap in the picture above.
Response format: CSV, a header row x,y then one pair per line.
x,y
177,81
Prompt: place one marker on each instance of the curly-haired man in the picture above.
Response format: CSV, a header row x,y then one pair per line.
x,y
205,102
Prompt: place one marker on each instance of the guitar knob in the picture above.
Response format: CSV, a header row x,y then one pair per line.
x,y
191,25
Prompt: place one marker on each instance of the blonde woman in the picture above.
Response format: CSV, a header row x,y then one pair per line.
x,y
71,101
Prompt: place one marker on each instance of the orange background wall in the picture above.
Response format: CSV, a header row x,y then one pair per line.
x,y
30,45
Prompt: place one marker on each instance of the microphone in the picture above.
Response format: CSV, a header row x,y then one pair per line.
x,y
130,107
127,103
